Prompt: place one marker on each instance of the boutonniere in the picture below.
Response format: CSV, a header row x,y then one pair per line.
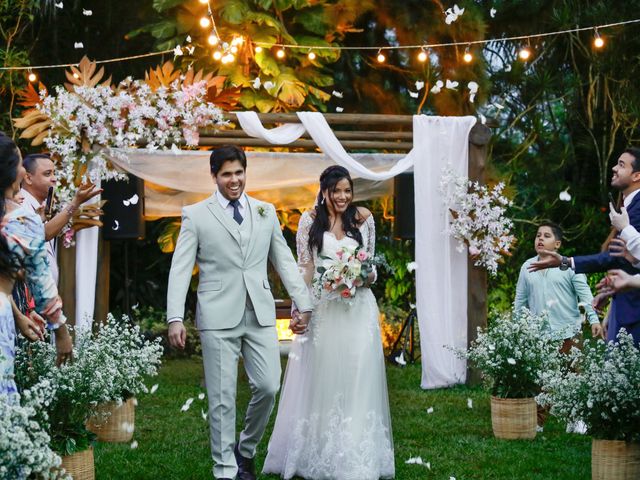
x,y
262,211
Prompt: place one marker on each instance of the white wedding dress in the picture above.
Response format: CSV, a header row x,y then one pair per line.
x,y
333,419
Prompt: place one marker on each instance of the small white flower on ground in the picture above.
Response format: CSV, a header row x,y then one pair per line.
x,y
204,414
177,52
492,12
412,267
511,361
87,13
413,94
154,389
269,84
452,478
539,429
339,109
451,84
419,85
469,403
430,410
201,396
414,460
134,445
565,196
336,94
78,45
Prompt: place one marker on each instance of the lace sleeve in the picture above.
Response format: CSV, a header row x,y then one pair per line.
x,y
370,235
305,256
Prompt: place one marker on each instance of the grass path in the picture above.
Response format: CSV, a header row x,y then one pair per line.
x,y
456,440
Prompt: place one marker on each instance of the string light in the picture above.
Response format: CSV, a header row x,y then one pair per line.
x,y
228,58
311,56
525,53
205,22
234,49
213,39
422,56
381,58
280,53
598,41
258,49
204,2
217,55
467,57
32,77
75,75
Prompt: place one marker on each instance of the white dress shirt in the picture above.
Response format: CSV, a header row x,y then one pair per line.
x,y
225,203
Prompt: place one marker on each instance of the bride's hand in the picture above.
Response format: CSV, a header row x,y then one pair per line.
x,y
299,322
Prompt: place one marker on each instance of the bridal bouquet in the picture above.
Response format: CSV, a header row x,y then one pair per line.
x,y
339,277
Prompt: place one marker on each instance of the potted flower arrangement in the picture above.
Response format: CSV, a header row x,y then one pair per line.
x,y
512,354
603,391
134,358
24,443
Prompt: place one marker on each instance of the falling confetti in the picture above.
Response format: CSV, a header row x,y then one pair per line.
x,y
127,427
336,94
78,45
131,201
188,39
415,461
87,13
473,90
190,49
419,85
483,119
154,389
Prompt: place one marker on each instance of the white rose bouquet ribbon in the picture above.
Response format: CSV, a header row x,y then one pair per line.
x,y
339,276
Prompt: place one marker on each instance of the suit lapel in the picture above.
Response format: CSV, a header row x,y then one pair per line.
x,y
227,222
254,218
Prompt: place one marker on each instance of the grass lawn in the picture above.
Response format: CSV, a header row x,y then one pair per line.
x,y
456,440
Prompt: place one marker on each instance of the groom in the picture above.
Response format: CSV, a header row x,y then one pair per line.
x,y
231,236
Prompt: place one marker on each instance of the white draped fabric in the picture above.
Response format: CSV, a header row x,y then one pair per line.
x,y
441,277
173,179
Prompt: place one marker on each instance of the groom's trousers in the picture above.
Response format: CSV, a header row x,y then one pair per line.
x,y
221,350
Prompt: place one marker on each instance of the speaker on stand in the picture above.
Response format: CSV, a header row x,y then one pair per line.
x,y
404,228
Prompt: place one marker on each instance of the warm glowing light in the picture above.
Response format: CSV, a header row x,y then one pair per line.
x,y
75,75
234,49
258,49
32,77
280,53
217,55
205,22
598,42
422,56
237,41
468,58
204,2
311,56
381,58
228,58
282,326
524,54
213,39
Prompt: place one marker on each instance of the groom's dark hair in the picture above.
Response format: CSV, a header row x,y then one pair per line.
x,y
226,153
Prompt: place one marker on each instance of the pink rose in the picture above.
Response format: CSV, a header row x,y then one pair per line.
x,y
362,255
345,293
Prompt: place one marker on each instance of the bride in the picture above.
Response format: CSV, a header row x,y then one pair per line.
x,y
333,419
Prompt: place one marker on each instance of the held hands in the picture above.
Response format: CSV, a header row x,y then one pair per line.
x,y
548,259
299,322
619,221
177,335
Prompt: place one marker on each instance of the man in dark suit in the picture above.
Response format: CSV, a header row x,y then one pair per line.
x,y
625,307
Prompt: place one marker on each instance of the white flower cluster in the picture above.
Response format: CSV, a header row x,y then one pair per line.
x,y
339,277
108,366
602,389
478,219
89,122
24,443
513,353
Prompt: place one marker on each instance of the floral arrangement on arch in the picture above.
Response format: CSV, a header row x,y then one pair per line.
x,y
602,389
478,219
85,121
513,354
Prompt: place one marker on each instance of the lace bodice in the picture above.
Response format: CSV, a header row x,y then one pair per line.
x,y
307,258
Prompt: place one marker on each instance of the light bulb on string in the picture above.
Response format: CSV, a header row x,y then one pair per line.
x,y
213,39
204,2
234,49
598,41
311,56
237,41
217,55
205,22
422,56
381,58
525,53
258,49
280,53
228,58
75,75
468,56
32,77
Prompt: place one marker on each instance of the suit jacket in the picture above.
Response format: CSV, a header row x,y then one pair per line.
x,y
210,238
627,304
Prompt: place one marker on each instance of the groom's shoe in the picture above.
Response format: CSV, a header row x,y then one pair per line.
x,y
246,466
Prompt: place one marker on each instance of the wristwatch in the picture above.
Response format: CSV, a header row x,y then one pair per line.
x,y
564,263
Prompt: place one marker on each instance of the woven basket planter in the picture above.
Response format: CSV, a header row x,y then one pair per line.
x,y
615,460
118,426
80,465
514,418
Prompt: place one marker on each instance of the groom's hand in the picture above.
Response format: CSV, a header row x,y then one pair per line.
x,y
177,335
300,322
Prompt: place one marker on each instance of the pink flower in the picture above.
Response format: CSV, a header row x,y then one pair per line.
x,y
339,253
473,251
362,255
191,136
345,293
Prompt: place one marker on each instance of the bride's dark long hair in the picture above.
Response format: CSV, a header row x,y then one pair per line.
x,y
9,162
328,181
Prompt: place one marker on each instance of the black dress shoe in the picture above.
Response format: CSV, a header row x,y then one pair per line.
x,y
246,466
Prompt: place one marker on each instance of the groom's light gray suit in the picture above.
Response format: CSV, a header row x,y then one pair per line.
x,y
235,313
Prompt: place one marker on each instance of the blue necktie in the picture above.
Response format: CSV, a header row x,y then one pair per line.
x,y
236,211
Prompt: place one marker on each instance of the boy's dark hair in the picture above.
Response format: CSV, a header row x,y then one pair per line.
x,y
226,153
635,153
555,228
